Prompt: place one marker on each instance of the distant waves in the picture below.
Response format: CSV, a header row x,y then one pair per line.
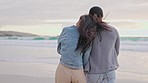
x,y
34,43
127,43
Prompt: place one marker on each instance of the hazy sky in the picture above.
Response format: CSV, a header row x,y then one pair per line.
x,y
34,11
39,13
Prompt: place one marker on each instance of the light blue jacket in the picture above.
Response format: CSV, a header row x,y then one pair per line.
x,y
67,44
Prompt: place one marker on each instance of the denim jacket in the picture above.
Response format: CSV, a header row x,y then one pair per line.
x,y
67,44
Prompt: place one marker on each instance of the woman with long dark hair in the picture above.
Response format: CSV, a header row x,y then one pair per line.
x,y
74,43
103,61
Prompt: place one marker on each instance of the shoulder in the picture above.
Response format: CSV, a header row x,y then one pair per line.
x,y
112,28
113,31
70,29
69,33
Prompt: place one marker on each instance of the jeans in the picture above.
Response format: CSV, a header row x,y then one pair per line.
x,y
108,77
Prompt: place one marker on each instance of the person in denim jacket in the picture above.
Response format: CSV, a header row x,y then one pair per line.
x,y
74,45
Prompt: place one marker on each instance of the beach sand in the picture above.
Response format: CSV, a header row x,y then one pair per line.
x,y
26,73
133,67
24,64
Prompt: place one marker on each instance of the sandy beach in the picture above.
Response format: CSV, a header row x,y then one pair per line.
x,y
37,64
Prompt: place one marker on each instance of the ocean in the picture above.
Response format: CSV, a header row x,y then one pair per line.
x,y
48,45
133,57
126,43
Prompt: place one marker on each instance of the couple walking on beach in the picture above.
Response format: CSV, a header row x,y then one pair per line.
x,y
88,51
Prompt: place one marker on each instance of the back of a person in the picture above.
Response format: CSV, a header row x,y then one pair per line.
x,y
102,62
71,61
70,57
103,56
73,44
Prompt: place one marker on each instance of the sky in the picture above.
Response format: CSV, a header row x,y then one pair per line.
x,y
38,16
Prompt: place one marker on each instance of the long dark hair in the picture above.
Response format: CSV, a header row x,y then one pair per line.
x,y
99,12
87,30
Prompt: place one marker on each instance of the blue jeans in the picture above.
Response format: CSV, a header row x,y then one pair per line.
x,y
108,77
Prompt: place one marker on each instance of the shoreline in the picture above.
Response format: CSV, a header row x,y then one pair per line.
x,y
35,64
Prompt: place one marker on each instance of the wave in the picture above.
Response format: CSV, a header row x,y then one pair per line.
x,y
28,38
124,45
34,43
55,38
134,38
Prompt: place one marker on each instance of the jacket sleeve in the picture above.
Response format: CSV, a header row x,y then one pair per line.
x,y
117,44
66,41
61,39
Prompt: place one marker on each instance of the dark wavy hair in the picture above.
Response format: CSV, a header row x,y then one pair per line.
x,y
87,30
